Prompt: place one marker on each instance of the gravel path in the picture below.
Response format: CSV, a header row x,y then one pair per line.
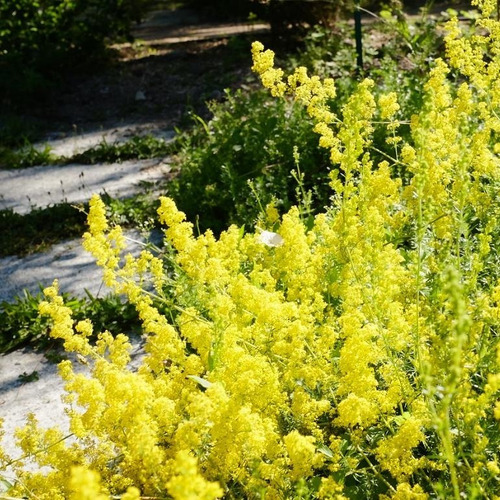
x,y
75,269
41,396
62,144
21,190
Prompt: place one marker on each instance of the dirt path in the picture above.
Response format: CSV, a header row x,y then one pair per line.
x,y
175,65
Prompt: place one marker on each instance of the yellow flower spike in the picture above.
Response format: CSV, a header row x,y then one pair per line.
x,y
272,214
263,64
329,88
85,484
96,219
437,86
395,453
263,60
132,493
327,139
257,47
488,7
187,483
179,232
85,328
62,326
52,292
405,491
302,453
388,104
330,490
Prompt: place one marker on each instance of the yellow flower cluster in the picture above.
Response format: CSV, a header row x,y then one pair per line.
x,y
264,65
346,138
355,358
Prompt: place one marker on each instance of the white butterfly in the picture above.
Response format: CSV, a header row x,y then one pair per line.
x,y
271,239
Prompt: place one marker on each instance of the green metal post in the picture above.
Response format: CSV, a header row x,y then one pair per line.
x,y
359,38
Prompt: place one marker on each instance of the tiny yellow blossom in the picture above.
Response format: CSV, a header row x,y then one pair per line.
x,y
301,451
388,104
85,484
188,484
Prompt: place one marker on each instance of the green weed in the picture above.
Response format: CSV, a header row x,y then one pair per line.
x,y
138,148
29,377
20,323
40,40
42,227
138,211
28,156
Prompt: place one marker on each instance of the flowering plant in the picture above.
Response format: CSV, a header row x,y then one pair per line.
x,y
354,356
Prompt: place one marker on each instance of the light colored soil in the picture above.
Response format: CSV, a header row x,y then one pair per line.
x,y
67,261
42,396
69,144
176,63
21,190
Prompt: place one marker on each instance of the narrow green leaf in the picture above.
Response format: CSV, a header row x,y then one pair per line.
x,y
201,381
322,448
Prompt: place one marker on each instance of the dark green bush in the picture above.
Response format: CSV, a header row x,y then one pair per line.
x,y
251,137
23,234
39,39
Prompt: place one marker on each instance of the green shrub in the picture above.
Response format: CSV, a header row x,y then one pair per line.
x,y
40,39
27,156
251,138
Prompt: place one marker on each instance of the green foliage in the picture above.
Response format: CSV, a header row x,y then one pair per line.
x,y
25,234
41,38
20,323
138,211
27,156
42,227
29,377
251,137
139,147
